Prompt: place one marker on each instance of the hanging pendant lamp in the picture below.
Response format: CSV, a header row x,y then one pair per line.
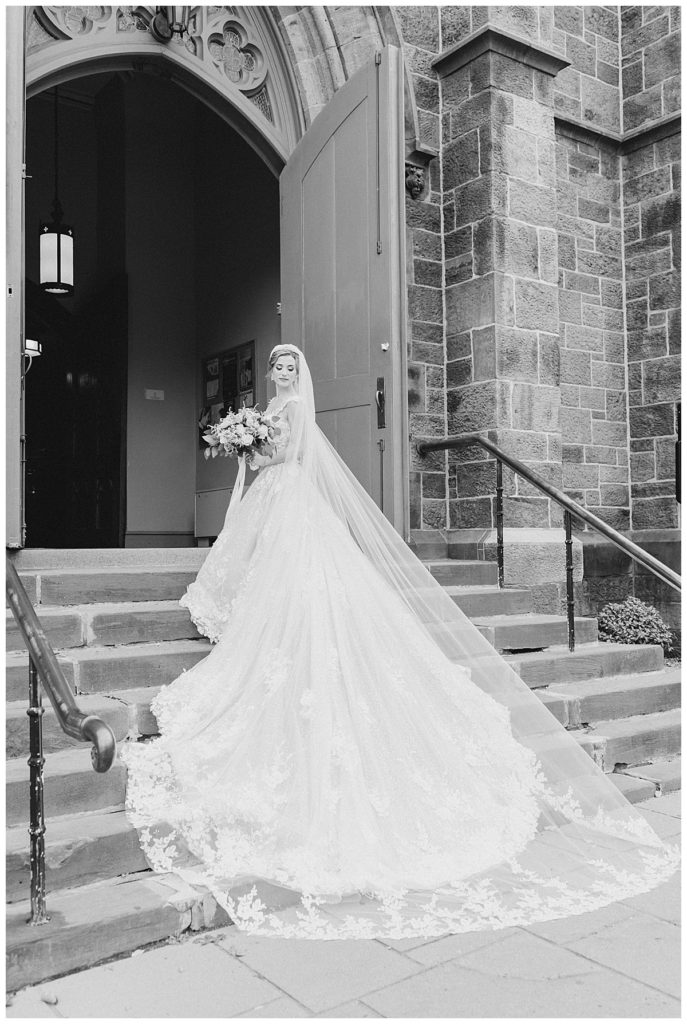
x,y
57,239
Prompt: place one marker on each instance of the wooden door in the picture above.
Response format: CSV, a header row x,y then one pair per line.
x,y
341,274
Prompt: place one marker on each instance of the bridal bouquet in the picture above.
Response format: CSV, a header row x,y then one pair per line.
x,y
246,433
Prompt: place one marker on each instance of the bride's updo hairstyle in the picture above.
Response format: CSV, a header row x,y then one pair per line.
x,y
281,350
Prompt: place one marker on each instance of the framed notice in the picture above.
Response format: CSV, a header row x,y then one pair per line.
x,y
228,382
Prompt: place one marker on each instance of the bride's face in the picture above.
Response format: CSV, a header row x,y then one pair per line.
x,y
284,371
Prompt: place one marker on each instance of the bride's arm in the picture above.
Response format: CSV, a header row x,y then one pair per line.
x,y
260,461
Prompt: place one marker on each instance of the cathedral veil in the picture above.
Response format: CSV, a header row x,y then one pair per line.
x,y
568,841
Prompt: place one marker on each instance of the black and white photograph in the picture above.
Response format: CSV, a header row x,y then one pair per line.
x,y
343,511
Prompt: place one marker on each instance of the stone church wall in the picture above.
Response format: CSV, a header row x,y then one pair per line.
x,y
651,194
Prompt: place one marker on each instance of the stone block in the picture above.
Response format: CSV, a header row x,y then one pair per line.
x,y
615,494
516,354
456,243
477,406
531,203
476,479
569,19
616,406
580,476
526,512
425,304
576,425
608,375
582,283
484,353
569,306
424,215
458,372
536,305
470,304
588,339
600,263
664,291
592,398
427,245
474,201
637,38
608,72
455,24
465,514
535,407
458,346
665,459
654,513
646,186
433,514
461,160
652,420
502,72
581,55
575,366
612,434
643,107
549,359
588,209
642,466
602,22
516,248
661,380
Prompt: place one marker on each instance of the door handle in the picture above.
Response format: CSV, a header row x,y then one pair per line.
x,y
380,399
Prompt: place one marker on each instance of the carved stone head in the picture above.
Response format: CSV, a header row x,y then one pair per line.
x,y
415,180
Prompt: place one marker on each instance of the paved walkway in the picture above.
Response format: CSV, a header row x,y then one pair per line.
x,y
621,962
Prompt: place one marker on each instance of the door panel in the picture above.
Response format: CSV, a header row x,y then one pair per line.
x,y
342,254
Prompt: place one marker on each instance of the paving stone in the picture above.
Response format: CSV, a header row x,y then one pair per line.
x,y
663,902
452,947
178,980
580,926
634,790
664,825
81,587
640,947
355,1009
671,805
521,977
320,974
282,1007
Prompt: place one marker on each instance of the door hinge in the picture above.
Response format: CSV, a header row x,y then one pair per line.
x,y
378,56
25,176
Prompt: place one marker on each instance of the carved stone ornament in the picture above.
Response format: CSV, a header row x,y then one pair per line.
x,y
415,180
216,36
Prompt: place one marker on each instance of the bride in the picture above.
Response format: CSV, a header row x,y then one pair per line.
x,y
352,739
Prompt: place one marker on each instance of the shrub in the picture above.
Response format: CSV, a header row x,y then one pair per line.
x,y
633,622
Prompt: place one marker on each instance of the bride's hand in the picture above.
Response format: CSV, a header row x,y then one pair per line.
x,y
258,461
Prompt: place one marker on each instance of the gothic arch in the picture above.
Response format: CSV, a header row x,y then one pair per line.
x,y
232,59
268,71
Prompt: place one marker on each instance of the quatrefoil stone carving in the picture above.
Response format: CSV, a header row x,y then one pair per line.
x,y
241,61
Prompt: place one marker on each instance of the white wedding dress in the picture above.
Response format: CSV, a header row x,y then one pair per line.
x,y
352,739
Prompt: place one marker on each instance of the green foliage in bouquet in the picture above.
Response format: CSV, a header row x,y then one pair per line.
x,y
633,622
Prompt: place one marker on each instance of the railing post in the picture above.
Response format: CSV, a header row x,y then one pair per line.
x,y
569,586
499,520
36,819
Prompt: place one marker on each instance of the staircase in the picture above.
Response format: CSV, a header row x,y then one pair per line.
x,y
113,618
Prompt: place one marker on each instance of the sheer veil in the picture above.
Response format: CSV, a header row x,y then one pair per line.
x,y
241,776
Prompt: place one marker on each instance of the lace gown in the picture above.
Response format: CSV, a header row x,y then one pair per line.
x,y
327,746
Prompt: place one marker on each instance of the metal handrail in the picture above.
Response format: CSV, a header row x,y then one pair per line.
x,y
634,551
88,728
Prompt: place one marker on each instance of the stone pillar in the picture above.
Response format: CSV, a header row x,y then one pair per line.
x,y
501,258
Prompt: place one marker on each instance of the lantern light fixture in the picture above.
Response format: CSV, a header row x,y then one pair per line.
x,y
57,238
169,23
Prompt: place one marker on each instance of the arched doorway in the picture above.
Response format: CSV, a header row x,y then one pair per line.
x,y
176,222
356,158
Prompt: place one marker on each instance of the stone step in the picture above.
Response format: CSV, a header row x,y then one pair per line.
x,y
634,790
125,622
664,774
71,785
40,559
481,601
102,920
590,661
119,713
578,703
108,669
533,631
632,741
79,849
463,574
63,628
90,586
